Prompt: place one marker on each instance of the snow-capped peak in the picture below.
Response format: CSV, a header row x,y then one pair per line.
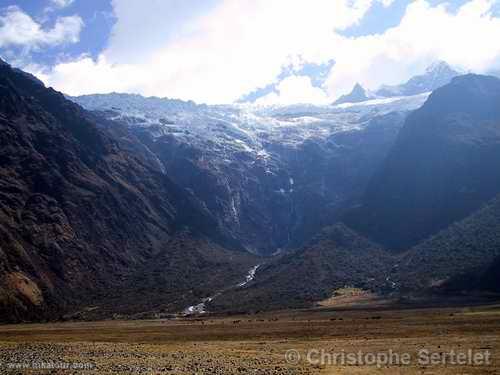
x,y
357,95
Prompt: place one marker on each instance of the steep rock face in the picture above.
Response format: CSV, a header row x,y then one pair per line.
x,y
269,178
331,175
282,200
242,195
443,167
78,209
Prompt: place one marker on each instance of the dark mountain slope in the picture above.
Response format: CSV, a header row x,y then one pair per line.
x,y
79,208
335,258
185,271
444,165
458,257
490,279
463,257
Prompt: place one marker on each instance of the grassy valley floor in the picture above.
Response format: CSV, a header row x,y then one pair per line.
x,y
267,343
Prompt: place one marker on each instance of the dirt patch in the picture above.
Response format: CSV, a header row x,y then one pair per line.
x,y
25,286
353,297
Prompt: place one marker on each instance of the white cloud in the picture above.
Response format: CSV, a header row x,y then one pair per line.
x,y
96,76
295,89
386,3
62,3
19,29
150,25
216,56
464,39
222,49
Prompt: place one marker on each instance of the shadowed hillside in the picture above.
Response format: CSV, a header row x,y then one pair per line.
x,y
443,167
79,207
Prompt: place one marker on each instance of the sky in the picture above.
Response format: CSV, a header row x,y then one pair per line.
x,y
225,51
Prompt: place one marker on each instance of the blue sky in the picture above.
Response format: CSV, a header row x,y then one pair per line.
x,y
220,51
97,16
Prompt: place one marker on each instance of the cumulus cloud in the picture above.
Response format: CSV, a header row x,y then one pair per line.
x,y
386,3
219,54
19,29
62,3
295,89
219,51
464,39
150,25
96,76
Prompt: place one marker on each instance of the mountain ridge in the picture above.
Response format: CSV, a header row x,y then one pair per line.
x,y
435,76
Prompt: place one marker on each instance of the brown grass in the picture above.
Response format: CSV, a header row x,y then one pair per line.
x,y
256,344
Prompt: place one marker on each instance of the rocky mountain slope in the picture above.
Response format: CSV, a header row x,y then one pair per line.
x,y
80,207
271,177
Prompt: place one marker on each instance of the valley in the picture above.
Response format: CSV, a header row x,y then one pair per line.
x,y
128,207
250,187
258,344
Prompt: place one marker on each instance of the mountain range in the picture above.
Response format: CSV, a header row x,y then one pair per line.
x,y
434,77
120,205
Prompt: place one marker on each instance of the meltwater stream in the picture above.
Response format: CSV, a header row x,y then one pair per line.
x,y
201,307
